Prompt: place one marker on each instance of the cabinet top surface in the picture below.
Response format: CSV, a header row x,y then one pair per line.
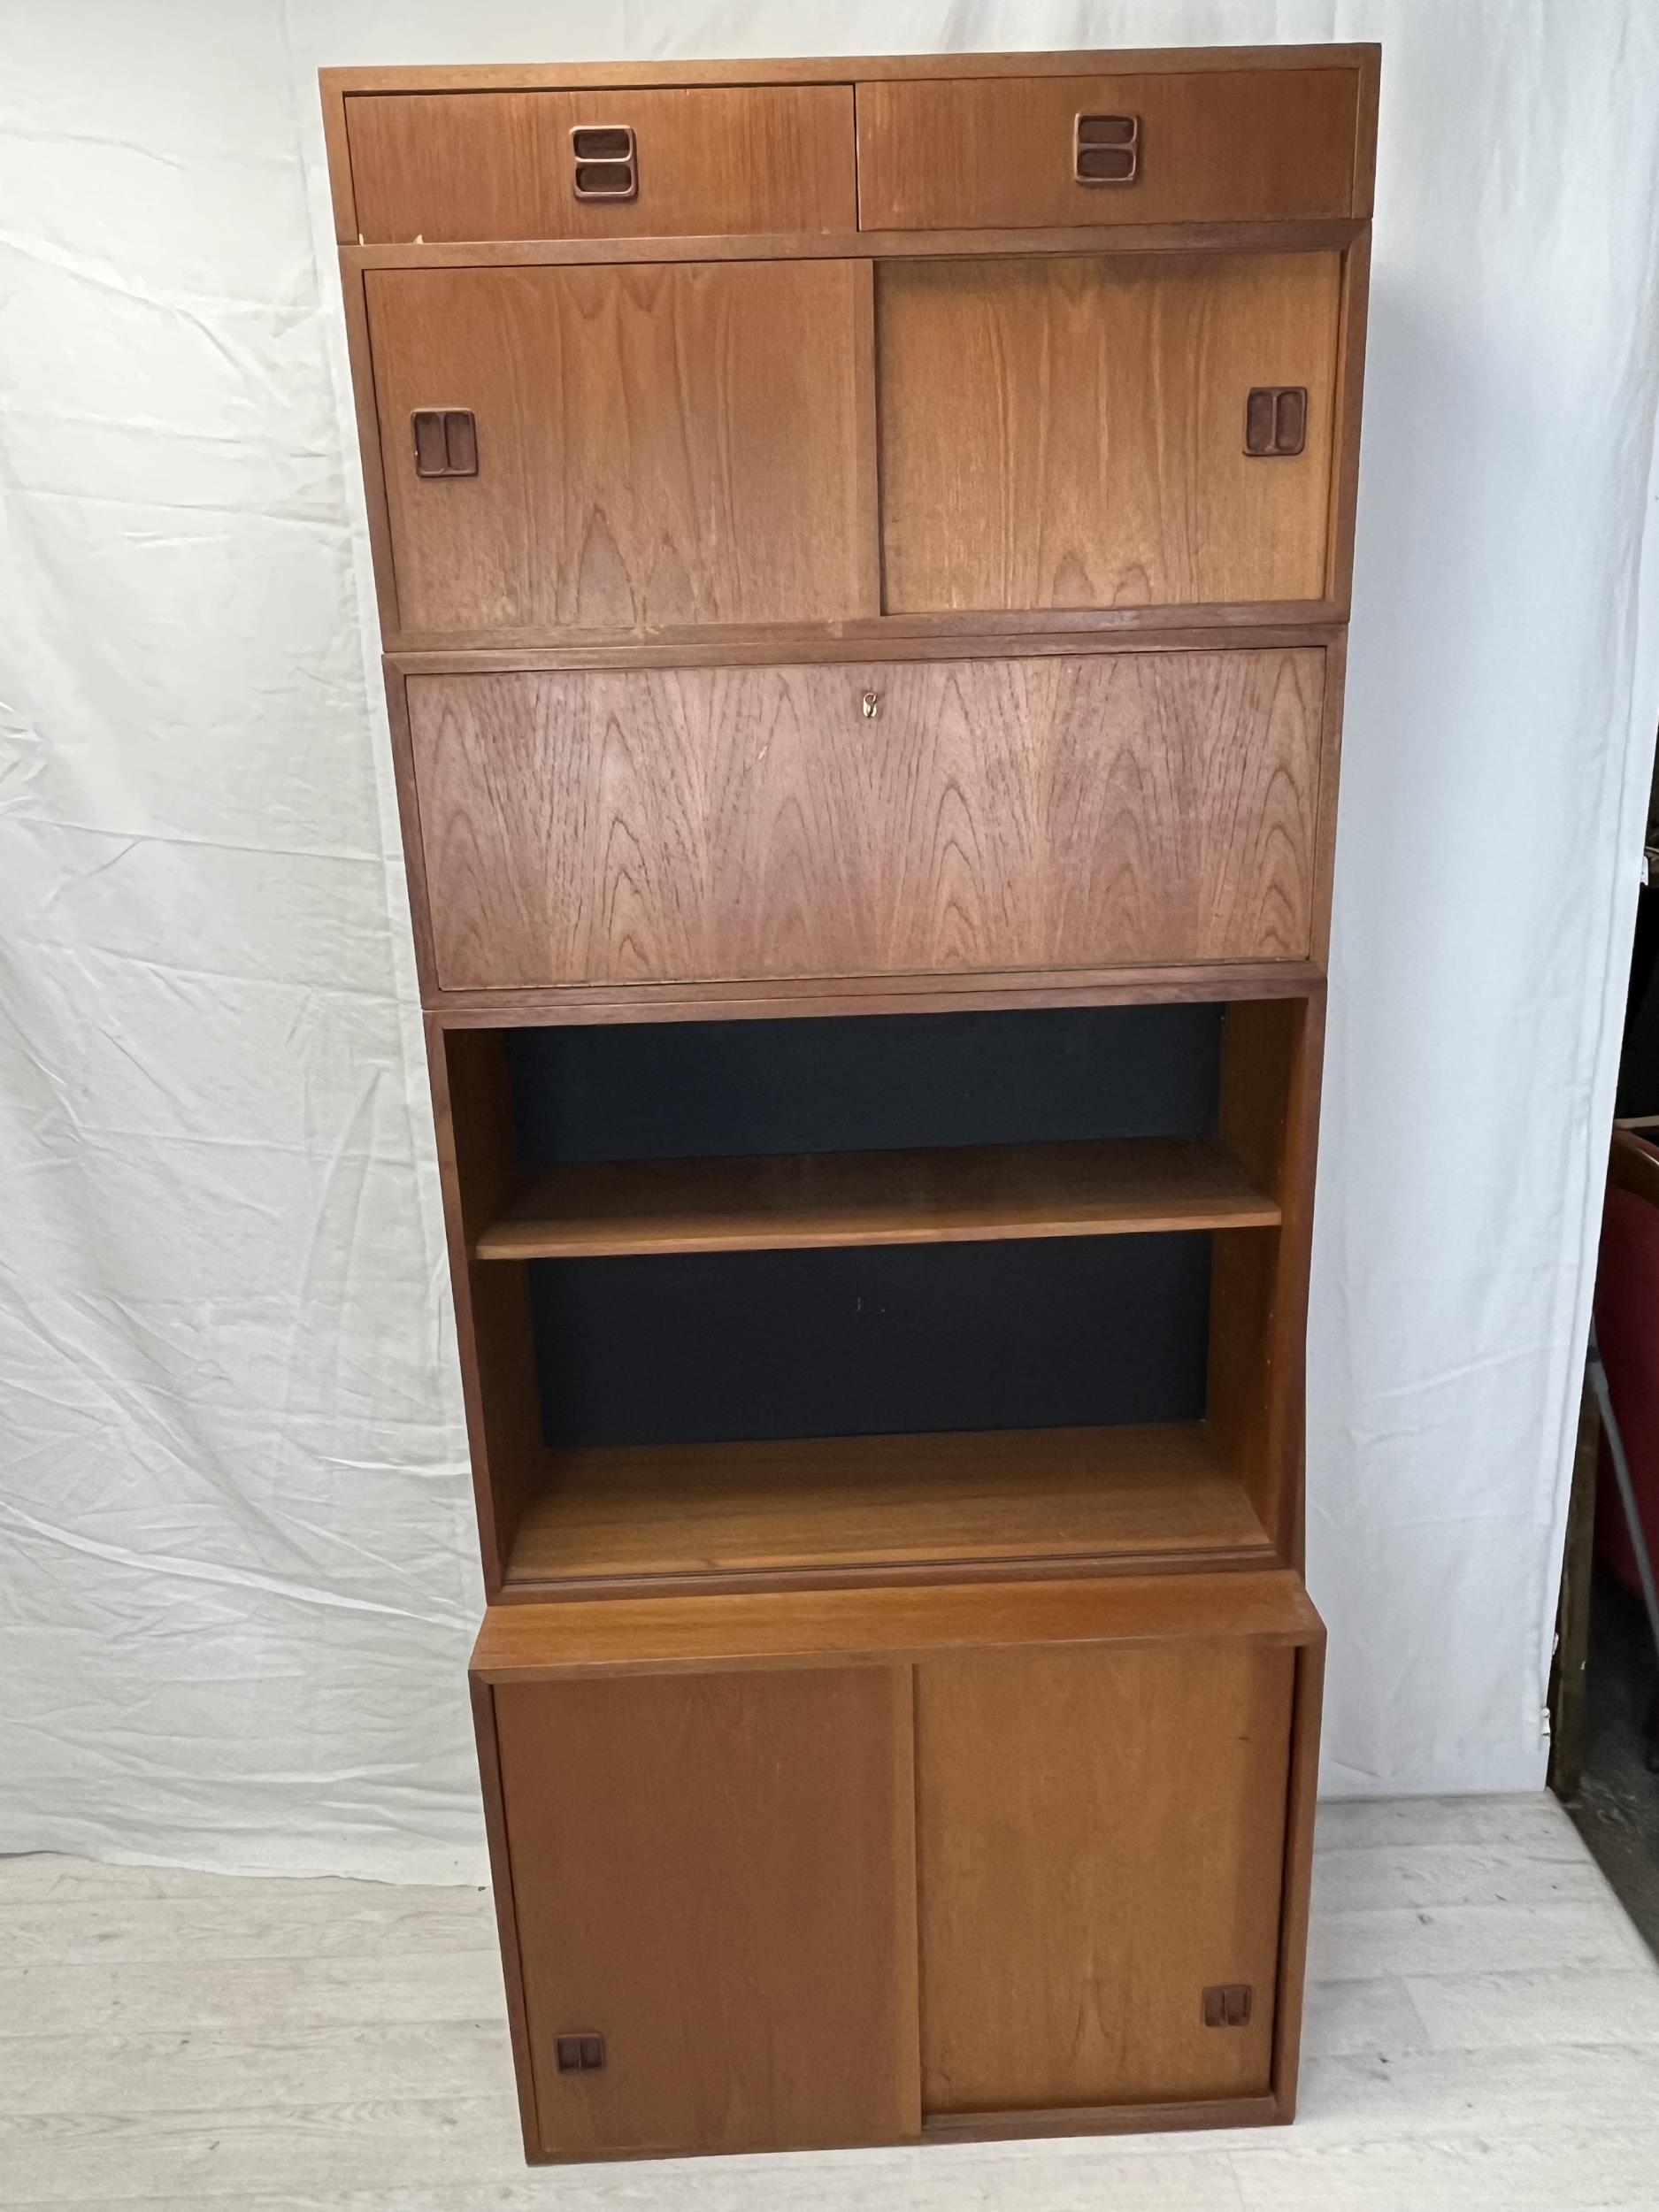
x,y
842,69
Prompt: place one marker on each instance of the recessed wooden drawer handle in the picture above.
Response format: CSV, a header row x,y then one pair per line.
x,y
1229,2005
1276,421
605,165
446,441
1106,150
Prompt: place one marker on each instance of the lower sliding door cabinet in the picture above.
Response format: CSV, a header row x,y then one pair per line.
x,y
781,1870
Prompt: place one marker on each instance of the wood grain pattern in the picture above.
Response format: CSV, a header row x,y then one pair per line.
x,y
671,1633
985,992
990,152
827,1508
971,1192
1092,451
742,461
1068,632
839,69
699,824
715,1873
1333,235
499,165
654,442
1074,1908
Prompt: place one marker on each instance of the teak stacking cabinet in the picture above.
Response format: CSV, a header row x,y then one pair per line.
x,y
862,552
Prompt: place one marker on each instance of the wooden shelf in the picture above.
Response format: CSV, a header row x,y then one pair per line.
x,y
1125,1187
520,1643
821,1509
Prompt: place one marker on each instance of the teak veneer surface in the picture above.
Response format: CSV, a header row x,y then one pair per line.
x,y
657,444
699,824
967,1499
1091,452
717,1873
995,153
1124,1186
499,165
1121,1852
666,1632
864,602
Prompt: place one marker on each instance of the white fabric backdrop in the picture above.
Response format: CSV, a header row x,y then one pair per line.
x,y
236,1580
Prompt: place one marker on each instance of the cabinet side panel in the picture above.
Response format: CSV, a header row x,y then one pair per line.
x,y
506,1919
1099,1840
472,1112
711,1872
1299,1826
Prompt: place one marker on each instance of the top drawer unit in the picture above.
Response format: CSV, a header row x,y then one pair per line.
x,y
1011,153
664,164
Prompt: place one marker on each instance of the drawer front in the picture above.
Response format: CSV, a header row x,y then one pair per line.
x,y
437,165
1093,451
1090,1893
1209,146
712,1879
695,825
652,445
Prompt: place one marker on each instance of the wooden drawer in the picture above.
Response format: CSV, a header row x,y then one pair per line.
x,y
652,445
435,166
1092,452
690,825
1198,146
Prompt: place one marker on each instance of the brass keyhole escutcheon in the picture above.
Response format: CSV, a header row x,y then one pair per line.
x,y
870,705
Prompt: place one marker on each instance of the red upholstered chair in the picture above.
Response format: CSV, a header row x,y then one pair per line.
x,y
1627,1328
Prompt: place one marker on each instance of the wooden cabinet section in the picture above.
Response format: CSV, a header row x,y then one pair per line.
x,y
1092,453
1190,146
1100,1838
691,824
655,445
694,161
713,1884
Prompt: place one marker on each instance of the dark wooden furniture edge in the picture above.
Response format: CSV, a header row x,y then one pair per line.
x,y
790,999
506,1916
1103,2119
899,1574
1290,234
1319,624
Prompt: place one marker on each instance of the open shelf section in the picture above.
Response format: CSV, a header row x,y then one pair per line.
x,y
614,1208
851,1507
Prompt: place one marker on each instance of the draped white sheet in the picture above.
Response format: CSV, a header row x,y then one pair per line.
x,y
237,1581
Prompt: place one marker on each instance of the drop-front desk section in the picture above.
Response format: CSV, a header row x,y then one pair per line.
x,y
863,551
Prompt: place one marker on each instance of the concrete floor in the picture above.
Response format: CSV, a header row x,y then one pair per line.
x,y
1482,2036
